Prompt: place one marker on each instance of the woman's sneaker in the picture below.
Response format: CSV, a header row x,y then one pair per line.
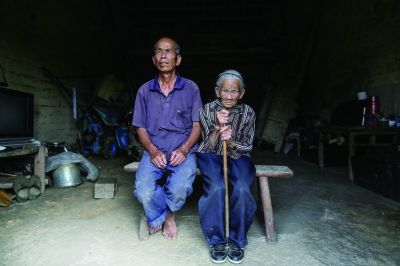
x,y
235,253
218,253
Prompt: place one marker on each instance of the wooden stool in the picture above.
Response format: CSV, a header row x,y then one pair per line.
x,y
262,172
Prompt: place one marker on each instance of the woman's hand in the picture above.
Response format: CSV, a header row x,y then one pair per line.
x,y
223,117
226,132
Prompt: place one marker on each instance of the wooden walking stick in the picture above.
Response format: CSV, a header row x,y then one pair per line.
x,y
225,157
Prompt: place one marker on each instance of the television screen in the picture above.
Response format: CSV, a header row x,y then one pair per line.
x,y
16,116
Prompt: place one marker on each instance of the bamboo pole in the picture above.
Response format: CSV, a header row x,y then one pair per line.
x,y
225,158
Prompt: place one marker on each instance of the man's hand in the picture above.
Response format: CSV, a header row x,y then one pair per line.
x,y
158,158
178,156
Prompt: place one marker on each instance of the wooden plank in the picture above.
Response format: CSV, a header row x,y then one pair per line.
x,y
6,184
273,171
261,170
23,150
132,167
7,180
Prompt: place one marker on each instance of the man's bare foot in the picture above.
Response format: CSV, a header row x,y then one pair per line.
x,y
170,230
144,228
154,230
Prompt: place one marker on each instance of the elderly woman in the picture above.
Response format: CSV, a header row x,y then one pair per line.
x,y
226,119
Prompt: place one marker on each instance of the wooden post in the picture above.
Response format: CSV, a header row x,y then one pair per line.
x,y
38,168
267,210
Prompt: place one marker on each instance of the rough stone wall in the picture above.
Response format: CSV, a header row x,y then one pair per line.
x,y
53,114
358,48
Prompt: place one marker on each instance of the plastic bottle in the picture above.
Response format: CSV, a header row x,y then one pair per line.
x,y
374,106
373,110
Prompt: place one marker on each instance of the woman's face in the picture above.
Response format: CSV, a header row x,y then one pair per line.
x,y
229,92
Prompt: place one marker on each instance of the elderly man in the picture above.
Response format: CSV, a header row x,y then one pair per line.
x,y
166,116
226,119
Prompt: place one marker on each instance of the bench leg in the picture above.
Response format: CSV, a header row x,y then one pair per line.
x,y
267,210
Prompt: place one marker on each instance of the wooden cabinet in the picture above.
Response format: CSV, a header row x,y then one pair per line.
x,y
36,151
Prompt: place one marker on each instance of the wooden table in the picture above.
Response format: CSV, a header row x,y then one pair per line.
x,y
355,137
39,159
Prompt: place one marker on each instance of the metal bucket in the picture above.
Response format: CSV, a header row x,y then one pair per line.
x,y
67,175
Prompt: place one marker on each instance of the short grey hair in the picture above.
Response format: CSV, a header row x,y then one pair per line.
x,y
230,74
177,46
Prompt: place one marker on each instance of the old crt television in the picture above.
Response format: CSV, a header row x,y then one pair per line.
x,y
16,117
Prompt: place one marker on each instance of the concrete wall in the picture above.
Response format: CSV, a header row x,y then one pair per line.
x,y
357,48
41,34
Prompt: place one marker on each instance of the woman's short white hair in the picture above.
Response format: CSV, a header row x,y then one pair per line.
x,y
230,74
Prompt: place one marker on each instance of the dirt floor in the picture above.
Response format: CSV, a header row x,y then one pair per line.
x,y
321,219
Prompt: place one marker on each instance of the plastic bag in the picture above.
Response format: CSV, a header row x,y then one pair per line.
x,y
53,162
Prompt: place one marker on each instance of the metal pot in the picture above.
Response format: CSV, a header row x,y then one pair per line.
x,y
54,148
67,175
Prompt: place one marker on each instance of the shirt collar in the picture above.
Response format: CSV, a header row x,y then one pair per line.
x,y
179,83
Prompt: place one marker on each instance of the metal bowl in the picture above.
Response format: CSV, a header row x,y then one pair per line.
x,y
67,175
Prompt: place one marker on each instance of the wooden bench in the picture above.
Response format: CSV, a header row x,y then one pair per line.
x,y
263,172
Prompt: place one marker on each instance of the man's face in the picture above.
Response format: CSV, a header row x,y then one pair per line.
x,y
229,93
165,57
